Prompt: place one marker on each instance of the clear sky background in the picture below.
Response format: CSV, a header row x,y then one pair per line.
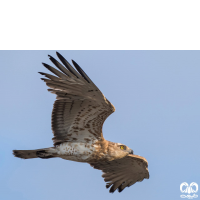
x,y
157,99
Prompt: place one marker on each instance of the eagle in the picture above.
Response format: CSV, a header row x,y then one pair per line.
x,y
79,112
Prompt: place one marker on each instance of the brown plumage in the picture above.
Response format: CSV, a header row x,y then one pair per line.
x,y
124,172
77,119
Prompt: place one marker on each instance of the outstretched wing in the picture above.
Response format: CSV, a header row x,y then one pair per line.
x,y
123,172
80,109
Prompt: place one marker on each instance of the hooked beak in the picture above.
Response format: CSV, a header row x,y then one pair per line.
x,y
130,151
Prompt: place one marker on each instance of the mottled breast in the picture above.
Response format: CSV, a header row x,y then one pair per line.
x,y
76,151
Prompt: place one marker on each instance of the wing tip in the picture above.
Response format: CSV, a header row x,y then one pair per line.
x,y
57,53
111,190
80,70
51,57
120,190
75,64
46,65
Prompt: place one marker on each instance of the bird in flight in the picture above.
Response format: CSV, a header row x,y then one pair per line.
x,y
78,115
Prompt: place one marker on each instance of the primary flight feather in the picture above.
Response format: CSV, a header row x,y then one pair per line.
x,y
78,115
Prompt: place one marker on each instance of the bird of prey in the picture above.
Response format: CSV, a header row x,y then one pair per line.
x,y
78,115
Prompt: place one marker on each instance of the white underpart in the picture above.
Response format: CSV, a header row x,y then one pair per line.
x,y
76,151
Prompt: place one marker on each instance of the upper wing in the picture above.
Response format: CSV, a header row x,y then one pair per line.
x,y
123,172
80,109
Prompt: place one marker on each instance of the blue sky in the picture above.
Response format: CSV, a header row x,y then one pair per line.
x,y
157,99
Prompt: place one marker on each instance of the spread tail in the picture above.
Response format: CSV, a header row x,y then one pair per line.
x,y
37,153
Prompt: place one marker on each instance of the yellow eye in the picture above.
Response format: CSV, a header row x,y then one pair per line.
x,y
122,147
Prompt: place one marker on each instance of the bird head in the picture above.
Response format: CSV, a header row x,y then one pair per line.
x,y
124,148
118,150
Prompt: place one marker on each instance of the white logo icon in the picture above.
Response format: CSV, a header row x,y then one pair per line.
x,y
192,188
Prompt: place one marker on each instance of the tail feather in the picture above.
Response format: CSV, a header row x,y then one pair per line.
x,y
37,153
